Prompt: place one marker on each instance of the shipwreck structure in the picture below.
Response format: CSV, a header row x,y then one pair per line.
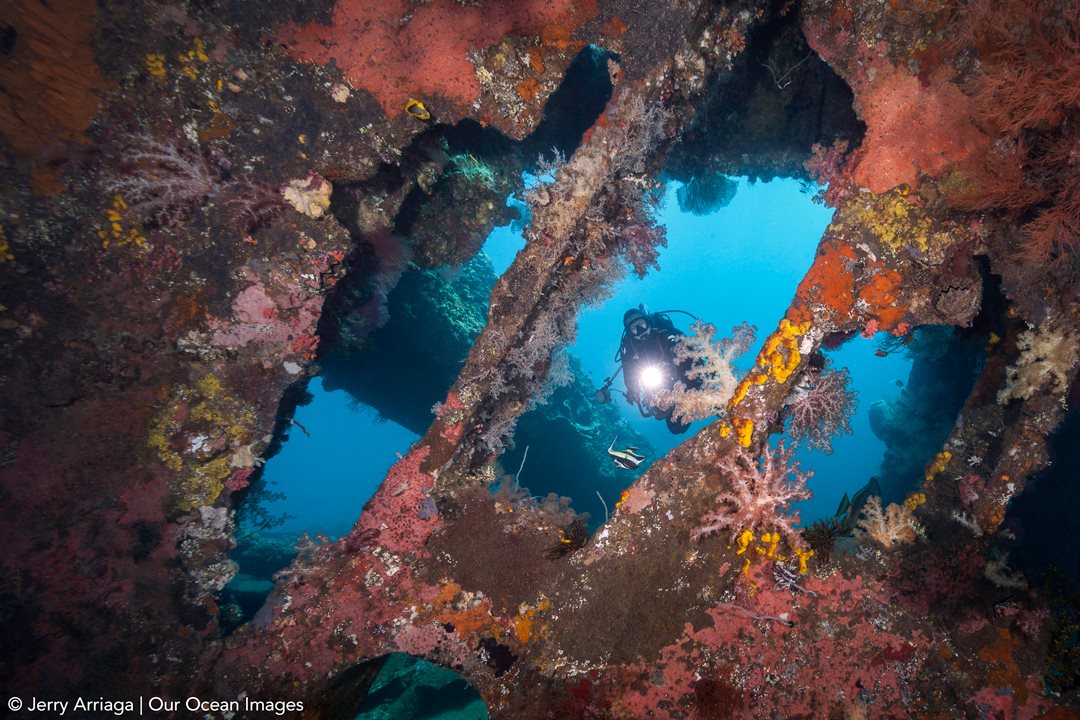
x,y
199,199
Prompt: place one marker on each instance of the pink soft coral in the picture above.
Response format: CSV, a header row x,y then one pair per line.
x,y
820,407
640,243
761,493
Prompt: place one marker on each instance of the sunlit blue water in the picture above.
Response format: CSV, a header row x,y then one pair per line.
x,y
328,476
741,263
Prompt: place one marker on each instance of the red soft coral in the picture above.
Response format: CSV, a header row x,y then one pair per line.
x,y
640,243
398,49
761,493
826,166
1028,90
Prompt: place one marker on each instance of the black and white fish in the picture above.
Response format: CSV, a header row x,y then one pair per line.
x,y
627,459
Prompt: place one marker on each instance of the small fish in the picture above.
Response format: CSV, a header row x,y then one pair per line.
x,y
627,459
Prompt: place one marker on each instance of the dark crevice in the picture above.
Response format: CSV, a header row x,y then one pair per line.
x,y
947,363
1044,516
761,119
467,172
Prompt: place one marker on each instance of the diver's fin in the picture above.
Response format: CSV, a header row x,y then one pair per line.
x,y
845,505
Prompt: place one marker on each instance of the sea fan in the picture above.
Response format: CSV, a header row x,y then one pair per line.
x,y
706,194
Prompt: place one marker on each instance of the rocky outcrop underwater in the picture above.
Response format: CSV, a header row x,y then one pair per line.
x,y
205,205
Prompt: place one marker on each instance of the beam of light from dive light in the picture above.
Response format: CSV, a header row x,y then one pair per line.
x,y
651,377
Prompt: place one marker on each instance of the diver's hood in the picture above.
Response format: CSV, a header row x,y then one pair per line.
x,y
631,315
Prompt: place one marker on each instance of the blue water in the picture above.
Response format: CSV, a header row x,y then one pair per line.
x,y
740,263
327,477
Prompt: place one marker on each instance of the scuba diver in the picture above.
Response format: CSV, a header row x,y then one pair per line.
x,y
646,359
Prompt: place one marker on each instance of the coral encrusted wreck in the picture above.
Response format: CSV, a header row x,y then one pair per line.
x,y
189,188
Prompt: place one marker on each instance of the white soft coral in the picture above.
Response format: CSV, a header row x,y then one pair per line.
x,y
712,366
1045,354
895,525
761,493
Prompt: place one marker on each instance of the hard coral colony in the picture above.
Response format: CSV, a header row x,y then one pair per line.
x,y
206,206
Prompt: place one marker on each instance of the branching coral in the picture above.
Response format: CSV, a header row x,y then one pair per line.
x,y
826,165
820,407
761,493
639,235
711,368
895,525
163,179
1046,354
640,241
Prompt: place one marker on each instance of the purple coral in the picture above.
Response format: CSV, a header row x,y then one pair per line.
x,y
820,407
162,179
761,493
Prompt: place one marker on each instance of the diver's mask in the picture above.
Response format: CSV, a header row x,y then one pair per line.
x,y
639,328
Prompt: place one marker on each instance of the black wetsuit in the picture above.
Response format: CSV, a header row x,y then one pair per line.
x,y
655,347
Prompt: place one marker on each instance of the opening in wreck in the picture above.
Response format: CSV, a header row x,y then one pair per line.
x,y
718,262
205,205
397,331
740,236
394,341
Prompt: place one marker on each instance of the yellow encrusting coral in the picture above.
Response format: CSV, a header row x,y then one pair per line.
x,y
938,465
118,233
744,387
743,542
526,619
768,547
5,248
772,541
778,359
193,435
804,556
744,430
780,356
915,500
187,60
155,65
895,221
